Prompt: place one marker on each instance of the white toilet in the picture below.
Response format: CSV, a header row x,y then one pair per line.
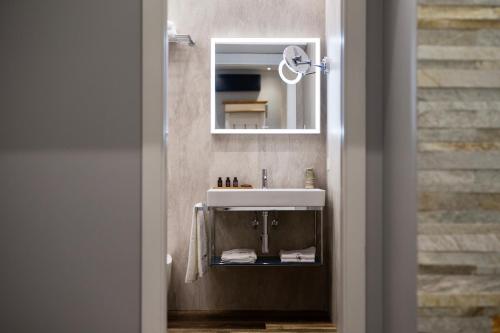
x,y
168,260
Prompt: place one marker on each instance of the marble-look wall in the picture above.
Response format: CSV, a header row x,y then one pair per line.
x,y
196,158
459,166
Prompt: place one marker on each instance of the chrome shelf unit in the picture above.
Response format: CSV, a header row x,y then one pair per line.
x,y
268,261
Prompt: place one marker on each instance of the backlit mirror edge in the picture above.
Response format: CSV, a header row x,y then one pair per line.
x,y
316,60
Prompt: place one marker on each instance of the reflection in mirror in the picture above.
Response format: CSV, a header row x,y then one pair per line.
x,y
252,94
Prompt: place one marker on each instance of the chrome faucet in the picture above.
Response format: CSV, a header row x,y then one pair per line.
x,y
264,178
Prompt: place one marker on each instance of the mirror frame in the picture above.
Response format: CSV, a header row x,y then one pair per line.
x,y
284,41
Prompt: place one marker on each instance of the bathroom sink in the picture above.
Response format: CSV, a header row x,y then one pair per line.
x,y
273,197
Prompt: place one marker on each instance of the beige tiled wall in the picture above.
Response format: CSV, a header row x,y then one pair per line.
x,y
459,165
196,158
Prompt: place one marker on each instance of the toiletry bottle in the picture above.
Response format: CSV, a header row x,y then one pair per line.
x,y
228,182
235,182
310,178
219,182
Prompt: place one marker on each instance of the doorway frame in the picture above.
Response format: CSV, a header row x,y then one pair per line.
x,y
345,25
153,231
346,151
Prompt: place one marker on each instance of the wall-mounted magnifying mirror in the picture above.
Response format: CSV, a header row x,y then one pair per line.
x,y
265,85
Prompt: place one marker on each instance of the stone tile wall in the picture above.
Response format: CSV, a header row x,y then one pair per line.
x,y
459,165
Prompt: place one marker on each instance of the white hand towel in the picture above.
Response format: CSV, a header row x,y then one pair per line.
x,y
306,260
239,256
239,261
239,253
198,245
308,254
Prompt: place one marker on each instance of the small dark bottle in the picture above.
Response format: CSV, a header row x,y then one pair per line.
x,y
235,182
219,182
228,182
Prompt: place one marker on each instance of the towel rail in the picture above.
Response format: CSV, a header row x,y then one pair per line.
x,y
265,208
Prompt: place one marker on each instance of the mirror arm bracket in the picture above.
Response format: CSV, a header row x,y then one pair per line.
x,y
324,67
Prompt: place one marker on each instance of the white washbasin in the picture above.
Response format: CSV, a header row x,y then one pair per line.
x,y
273,197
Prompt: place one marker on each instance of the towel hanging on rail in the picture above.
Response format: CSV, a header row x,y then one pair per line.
x,y
198,245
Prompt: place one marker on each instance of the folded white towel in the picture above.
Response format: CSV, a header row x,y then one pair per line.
x,y
306,260
304,255
198,245
297,255
239,261
239,256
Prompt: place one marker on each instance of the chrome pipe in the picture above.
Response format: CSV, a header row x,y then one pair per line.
x,y
265,236
264,178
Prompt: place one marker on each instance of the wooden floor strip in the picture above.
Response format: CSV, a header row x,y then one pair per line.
x,y
274,327
305,326
249,322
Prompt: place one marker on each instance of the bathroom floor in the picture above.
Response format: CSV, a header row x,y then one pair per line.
x,y
229,322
